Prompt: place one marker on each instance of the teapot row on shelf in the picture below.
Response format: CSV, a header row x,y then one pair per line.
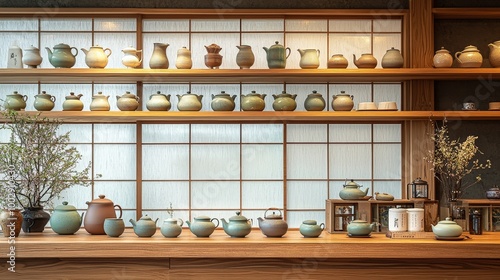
x,y
469,57
192,102
64,56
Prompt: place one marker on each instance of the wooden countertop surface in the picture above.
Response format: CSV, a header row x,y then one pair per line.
x,y
255,245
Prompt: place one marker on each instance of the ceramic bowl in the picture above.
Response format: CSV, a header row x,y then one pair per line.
x,y
367,106
389,105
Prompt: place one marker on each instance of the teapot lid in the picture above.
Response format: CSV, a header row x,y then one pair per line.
x,y
442,50
128,95
277,45
222,93
101,200
31,48
238,217
359,222
145,218
342,93
43,94
96,47
471,48
314,92
310,222
202,218
392,49
274,216
72,96
129,49
158,93
61,46
15,93
352,184
65,207
448,221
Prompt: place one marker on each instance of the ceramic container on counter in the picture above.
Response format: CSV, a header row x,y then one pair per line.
x,y
470,57
338,61
44,102
158,102
342,102
309,58
392,59
15,101
65,219
202,226
223,102
100,102
127,102
131,57
273,225
284,102
253,102
310,228
352,191
238,226
245,57
276,56
7,217
314,102
442,59
447,228
62,56
171,227
360,228
32,57
189,102
98,210
415,219
72,102
367,60
183,60
144,227
398,220
159,58
114,227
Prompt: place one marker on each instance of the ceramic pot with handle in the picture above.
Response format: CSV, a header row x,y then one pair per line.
x,y
203,226
98,210
65,219
96,57
171,227
273,225
73,102
277,55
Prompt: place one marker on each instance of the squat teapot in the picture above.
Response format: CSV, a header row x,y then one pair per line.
x,y
96,57
352,190
273,225
144,227
62,56
238,226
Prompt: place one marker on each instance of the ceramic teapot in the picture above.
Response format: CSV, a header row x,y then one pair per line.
x,y
213,59
284,102
98,210
469,57
309,58
342,102
159,59
96,57
44,102
245,58
352,190
73,102
32,57
392,59
494,56
367,60
447,228
62,56
360,228
171,227
99,102
384,196
144,227
273,225
15,101
223,102
202,226
442,59
493,193
158,102
65,219
338,61
131,57
276,56
183,60
127,102
310,228
314,102
253,101
189,102
238,226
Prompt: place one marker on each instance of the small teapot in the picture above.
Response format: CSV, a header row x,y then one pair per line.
x,y
99,209
469,57
442,59
32,57
131,58
15,101
273,225
65,219
309,58
223,102
367,60
127,102
494,56
171,227
360,228
158,102
314,102
44,102
384,196
238,226
145,227
96,57
342,102
352,190
62,57
276,56
310,228
202,226
338,61
284,102
189,102
447,228
99,102
73,102
253,102
392,59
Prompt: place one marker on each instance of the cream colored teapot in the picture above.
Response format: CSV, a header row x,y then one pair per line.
x,y
470,57
96,57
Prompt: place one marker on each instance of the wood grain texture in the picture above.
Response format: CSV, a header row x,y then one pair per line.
x,y
421,33
468,13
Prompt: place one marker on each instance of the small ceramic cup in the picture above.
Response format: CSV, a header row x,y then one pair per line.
x,y
389,105
367,106
114,227
470,106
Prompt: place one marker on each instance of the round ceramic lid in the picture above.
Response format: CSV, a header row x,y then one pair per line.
x,y
61,46
145,217
393,49
448,221
128,95
238,217
359,222
72,96
223,93
342,93
310,222
352,183
202,218
101,200
15,93
158,93
65,207
442,50
277,45
129,49
31,48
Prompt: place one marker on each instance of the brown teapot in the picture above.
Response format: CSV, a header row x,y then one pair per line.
x,y
99,209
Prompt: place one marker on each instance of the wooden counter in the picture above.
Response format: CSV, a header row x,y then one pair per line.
x,y
221,257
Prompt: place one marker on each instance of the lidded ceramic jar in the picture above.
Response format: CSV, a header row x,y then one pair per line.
x,y
144,227
470,57
171,227
223,102
73,102
158,102
189,102
284,102
15,101
32,57
314,102
62,56
447,228
338,61
273,224
342,102
442,59
65,219
127,102
360,228
392,59
238,226
310,228
183,60
44,101
203,226
98,210
99,102
7,217
253,102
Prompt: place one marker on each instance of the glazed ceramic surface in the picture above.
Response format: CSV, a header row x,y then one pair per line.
x,y
171,227
342,102
493,193
352,190
245,57
32,57
310,228
309,58
127,102
367,60
96,57
494,56
238,226
223,102
253,102
202,226
338,61
276,56
284,102
100,102
447,228
213,59
273,224
158,102
442,59
392,59
384,196
159,58
314,102
470,57
62,56
15,101
72,102
183,60
44,102
144,227
34,219
65,219
9,217
189,102
360,228
98,210
131,57
114,227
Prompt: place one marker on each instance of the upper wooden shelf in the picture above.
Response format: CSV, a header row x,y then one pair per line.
x,y
116,75
466,13
265,116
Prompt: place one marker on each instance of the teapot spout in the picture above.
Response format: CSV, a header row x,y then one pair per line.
x,y
84,50
179,99
366,191
224,223
188,223
266,49
301,52
493,46
49,52
79,96
260,220
199,97
132,221
118,97
373,226
354,60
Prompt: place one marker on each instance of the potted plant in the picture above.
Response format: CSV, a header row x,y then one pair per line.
x,y
42,164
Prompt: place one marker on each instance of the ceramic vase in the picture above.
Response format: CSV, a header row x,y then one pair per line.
x,y
245,57
159,58
183,60
11,222
34,219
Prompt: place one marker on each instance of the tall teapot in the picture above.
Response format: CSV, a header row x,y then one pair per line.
x,y
98,210
96,57
276,56
352,190
100,102
62,56
273,224
309,58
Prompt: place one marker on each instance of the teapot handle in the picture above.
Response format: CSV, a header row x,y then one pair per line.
x,y
289,52
457,54
76,51
119,207
322,226
318,52
182,222
273,208
212,220
107,49
53,98
25,98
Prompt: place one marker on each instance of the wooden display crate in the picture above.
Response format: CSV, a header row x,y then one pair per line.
x,y
340,212
490,212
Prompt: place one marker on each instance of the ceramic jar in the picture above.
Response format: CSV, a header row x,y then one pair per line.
x,y
213,59
144,227
32,57
11,222
310,228
114,227
253,102
183,60
171,227
223,102
127,102
442,59
352,191
238,226
15,101
276,56
189,102
98,210
338,61
384,196
72,102
100,102
469,57
398,220
309,58
314,102
447,228
159,58
284,102
65,219
131,57
367,60
415,219
342,102
360,228
96,57
203,226
273,224
494,56
392,59
34,219
158,102
15,56
245,58
44,102
62,56
493,193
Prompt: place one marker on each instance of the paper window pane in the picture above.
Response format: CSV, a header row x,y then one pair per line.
x,y
262,133
306,194
295,218
352,161
127,215
174,40
387,92
305,41
387,133
337,186
384,42
387,161
113,90
86,151
212,214
262,25
306,25
22,40
215,133
115,24
390,187
75,195
350,25
359,92
262,162
115,42
165,133
252,195
227,41
306,161
207,90
76,40
165,162
18,24
303,90
159,195
349,44
387,25
121,193
258,41
115,162
66,24
114,133
350,133
211,25
306,133
165,25
267,89
212,162
215,195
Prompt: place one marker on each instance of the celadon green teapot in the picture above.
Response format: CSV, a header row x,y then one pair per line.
x,y
238,226
352,190
144,227
65,219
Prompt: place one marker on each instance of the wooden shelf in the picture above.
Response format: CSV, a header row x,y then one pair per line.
x,y
466,13
115,75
